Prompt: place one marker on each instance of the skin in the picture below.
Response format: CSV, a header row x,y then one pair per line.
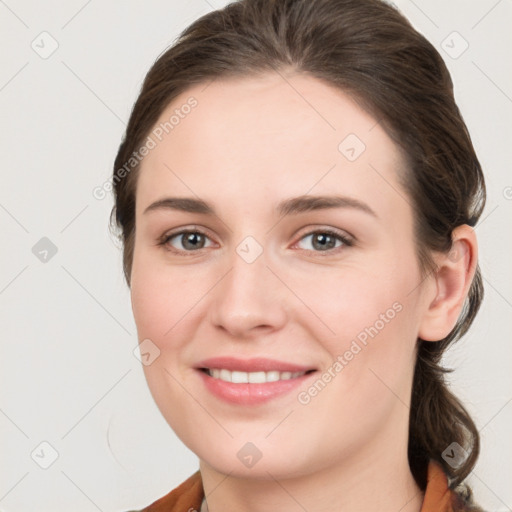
x,y
249,144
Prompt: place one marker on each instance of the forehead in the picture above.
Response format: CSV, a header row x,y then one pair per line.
x,y
267,137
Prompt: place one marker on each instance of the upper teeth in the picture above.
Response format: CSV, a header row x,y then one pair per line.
x,y
252,377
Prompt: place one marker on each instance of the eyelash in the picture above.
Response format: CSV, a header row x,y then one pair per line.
x,y
347,242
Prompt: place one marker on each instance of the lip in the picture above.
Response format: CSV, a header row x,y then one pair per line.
x,y
246,393
257,364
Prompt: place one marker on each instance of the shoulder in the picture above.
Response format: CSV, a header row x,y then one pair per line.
x,y
186,497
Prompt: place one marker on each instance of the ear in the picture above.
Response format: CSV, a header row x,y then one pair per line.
x,y
452,280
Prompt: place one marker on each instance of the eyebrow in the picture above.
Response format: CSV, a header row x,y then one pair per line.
x,y
294,205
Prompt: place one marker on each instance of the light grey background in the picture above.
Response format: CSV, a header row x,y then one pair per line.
x,y
69,377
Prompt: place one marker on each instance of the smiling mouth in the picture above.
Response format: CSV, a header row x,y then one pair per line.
x,y
261,377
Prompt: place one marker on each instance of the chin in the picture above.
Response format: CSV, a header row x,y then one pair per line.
x,y
258,460
262,470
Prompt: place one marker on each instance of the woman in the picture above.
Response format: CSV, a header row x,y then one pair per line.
x,y
296,193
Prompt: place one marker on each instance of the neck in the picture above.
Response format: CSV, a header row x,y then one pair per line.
x,y
379,479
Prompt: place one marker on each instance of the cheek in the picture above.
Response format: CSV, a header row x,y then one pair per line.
x,y
156,298
166,308
150,305
349,301
368,324
157,308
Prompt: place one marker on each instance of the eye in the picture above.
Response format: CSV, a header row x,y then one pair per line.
x,y
192,240
325,240
189,239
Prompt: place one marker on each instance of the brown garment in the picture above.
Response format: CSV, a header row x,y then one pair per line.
x,y
188,496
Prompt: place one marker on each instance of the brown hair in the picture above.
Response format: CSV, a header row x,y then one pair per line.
x,y
369,50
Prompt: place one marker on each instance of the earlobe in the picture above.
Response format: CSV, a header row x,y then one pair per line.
x,y
452,281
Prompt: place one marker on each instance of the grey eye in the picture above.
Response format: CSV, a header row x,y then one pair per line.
x,y
324,241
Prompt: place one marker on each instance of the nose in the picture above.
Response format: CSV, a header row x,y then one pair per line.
x,y
249,300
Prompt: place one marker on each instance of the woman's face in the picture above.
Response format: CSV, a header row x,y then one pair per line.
x,y
272,281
